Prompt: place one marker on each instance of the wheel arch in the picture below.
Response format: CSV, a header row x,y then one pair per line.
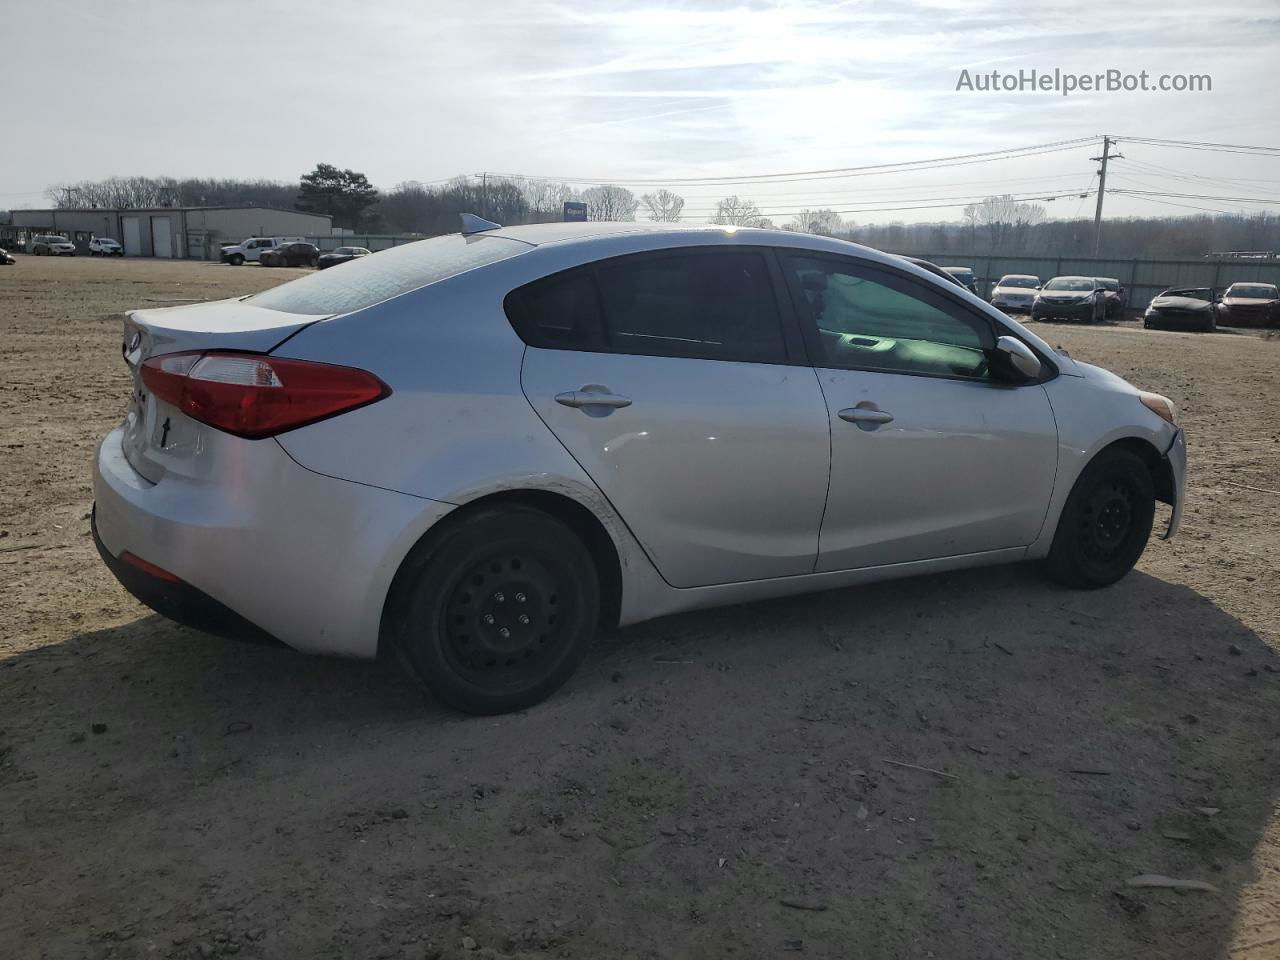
x,y
577,517
1156,463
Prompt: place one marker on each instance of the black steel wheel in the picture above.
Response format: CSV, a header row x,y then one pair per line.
x,y
496,612
1106,521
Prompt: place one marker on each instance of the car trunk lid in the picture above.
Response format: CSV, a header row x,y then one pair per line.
x,y
158,438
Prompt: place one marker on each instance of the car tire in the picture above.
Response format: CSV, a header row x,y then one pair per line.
x,y
236,260
1106,522
511,569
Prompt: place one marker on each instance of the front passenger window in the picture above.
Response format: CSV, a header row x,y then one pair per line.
x,y
871,319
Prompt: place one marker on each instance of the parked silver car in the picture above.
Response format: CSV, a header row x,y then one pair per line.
x,y
472,452
1015,293
52,245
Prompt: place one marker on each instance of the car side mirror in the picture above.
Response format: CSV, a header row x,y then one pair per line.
x,y
1018,356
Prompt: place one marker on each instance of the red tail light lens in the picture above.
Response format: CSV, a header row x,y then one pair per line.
x,y
256,396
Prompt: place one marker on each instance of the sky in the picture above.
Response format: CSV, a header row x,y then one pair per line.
x,y
639,91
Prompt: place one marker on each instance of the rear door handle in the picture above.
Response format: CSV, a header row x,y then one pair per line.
x,y
592,398
865,415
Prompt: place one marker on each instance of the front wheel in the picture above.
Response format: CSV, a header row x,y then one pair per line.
x,y
497,613
1106,522
236,260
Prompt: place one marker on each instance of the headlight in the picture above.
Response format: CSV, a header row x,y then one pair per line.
x,y
1162,407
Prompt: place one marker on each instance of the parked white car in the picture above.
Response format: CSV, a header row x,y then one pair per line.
x,y
105,247
1015,292
252,248
51,245
472,452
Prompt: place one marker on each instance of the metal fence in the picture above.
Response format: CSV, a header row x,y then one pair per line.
x,y
1144,279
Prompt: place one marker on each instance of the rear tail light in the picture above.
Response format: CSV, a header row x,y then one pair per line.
x,y
254,396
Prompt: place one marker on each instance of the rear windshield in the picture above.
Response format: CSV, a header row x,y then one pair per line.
x,y
1259,291
381,276
1069,283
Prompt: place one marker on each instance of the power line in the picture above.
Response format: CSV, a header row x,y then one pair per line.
x,y
952,201
1190,206
834,173
821,198
1174,174
1204,145
1196,196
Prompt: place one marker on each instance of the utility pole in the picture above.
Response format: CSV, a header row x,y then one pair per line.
x,y
1102,191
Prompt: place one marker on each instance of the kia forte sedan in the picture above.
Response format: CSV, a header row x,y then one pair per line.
x,y
473,452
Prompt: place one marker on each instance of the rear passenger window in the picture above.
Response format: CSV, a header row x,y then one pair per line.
x,y
561,312
704,304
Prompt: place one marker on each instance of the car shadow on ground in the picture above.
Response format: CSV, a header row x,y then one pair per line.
x,y
972,764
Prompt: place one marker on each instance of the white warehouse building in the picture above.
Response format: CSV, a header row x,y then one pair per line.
x,y
195,233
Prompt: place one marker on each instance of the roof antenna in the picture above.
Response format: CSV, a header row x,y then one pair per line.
x,y
473,224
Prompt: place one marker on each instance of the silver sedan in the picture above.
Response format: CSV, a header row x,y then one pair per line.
x,y
475,451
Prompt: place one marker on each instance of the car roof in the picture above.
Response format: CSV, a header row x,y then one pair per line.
x,y
671,234
540,233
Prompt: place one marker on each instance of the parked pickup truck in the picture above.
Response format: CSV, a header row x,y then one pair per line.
x,y
252,248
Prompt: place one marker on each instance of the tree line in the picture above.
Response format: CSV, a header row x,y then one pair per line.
x,y
997,224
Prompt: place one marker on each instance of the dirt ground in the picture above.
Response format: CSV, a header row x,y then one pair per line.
x,y
709,785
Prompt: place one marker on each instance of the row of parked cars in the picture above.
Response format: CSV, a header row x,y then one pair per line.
x,y
287,252
1096,298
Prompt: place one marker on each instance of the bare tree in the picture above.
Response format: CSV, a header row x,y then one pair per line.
x,y
663,205
1005,220
610,202
546,200
740,213
824,222
138,192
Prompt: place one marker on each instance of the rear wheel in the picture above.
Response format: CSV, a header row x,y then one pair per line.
x,y
1106,522
497,613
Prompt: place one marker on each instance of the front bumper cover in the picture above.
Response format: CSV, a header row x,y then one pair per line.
x,y
1176,457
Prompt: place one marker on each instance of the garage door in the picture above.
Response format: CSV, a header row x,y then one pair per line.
x,y
132,227
161,237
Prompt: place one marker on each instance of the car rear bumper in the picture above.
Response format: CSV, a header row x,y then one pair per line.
x,y
179,601
302,557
